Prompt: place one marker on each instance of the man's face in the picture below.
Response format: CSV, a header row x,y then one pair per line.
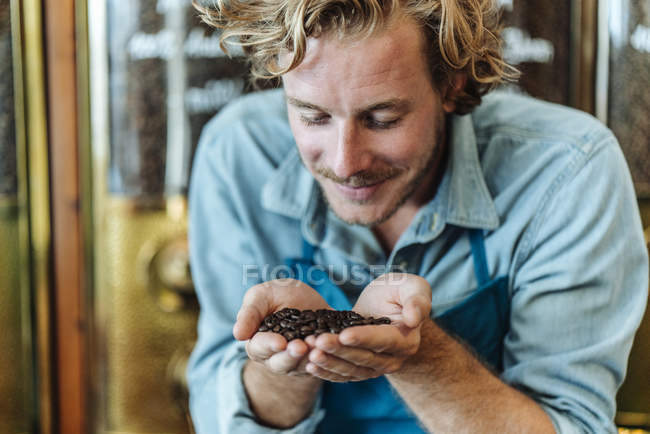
x,y
367,121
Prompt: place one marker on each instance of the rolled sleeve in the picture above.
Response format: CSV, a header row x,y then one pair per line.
x,y
221,405
579,295
220,249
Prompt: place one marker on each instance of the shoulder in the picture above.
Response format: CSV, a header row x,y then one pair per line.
x,y
533,144
241,149
527,120
534,154
252,132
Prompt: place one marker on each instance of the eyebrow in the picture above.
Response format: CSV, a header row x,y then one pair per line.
x,y
395,104
305,105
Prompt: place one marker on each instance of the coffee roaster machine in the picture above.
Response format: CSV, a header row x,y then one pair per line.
x,y
157,75
154,75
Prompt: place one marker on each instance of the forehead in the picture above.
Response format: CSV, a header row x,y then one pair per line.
x,y
343,70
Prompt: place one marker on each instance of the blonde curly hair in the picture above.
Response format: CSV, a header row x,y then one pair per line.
x,y
462,36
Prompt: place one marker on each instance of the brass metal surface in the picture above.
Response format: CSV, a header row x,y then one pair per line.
x,y
86,183
14,412
39,204
632,431
138,341
33,210
164,268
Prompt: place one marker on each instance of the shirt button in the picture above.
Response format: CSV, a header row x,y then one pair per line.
x,y
403,267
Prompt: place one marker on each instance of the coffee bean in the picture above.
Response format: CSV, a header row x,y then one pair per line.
x,y
294,324
289,335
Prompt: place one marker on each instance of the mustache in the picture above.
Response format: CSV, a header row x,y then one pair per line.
x,y
361,179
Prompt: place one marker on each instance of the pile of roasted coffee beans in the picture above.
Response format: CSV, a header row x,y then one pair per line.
x,y
297,324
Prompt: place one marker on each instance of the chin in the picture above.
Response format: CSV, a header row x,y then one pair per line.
x,y
368,215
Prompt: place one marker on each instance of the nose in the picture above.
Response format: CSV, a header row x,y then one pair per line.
x,y
352,154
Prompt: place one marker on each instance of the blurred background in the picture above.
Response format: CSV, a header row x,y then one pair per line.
x,y
101,106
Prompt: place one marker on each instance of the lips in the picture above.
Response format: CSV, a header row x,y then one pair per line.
x,y
358,193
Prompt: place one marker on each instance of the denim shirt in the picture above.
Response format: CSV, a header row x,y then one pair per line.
x,y
548,185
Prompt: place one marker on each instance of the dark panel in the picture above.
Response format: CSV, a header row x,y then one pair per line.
x,y
629,79
168,77
537,38
8,178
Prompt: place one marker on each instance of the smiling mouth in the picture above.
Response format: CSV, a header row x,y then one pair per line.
x,y
357,187
359,193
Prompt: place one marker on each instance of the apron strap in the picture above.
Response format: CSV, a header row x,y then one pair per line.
x,y
478,252
307,251
476,242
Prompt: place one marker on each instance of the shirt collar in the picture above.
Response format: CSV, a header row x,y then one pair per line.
x,y
290,188
469,202
463,198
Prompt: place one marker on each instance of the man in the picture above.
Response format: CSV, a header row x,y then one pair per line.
x,y
522,267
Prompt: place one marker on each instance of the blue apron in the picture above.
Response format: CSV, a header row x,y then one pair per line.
x,y
373,406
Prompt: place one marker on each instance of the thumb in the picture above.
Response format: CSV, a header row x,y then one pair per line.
x,y
253,310
248,321
416,300
415,310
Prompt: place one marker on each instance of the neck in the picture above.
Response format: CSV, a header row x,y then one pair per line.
x,y
389,232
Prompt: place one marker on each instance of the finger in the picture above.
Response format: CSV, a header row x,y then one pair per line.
x,y
255,306
416,309
415,297
359,356
389,339
264,344
284,362
311,341
340,367
300,369
297,348
324,374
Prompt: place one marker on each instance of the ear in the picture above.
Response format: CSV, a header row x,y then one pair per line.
x,y
451,92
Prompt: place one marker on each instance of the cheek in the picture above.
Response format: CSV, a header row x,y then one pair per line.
x,y
311,145
309,155
310,150
400,149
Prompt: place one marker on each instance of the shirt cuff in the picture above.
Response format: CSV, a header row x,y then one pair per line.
x,y
246,422
234,414
565,424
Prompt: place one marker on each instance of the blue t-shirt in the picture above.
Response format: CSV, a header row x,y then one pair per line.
x,y
548,185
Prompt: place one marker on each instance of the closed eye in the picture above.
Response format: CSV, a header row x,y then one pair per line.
x,y
375,124
314,120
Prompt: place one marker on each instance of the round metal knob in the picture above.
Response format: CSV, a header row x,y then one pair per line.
x,y
165,270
